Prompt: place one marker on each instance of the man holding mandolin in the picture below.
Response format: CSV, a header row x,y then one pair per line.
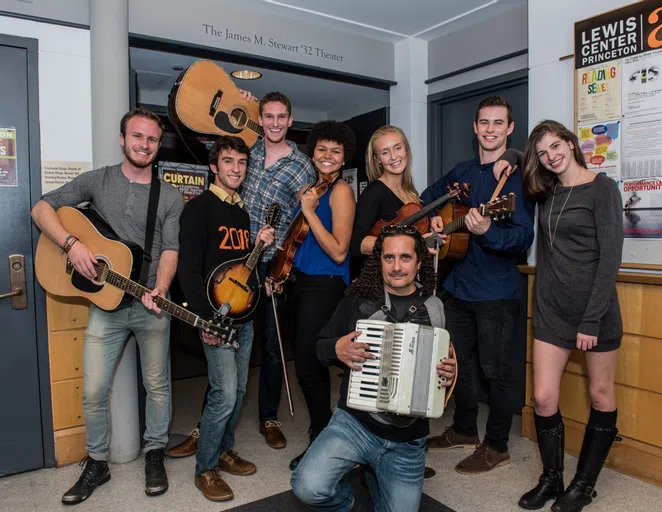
x,y
481,294
214,229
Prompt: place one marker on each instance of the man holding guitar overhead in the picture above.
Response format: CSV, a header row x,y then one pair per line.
x,y
120,194
276,172
215,228
481,294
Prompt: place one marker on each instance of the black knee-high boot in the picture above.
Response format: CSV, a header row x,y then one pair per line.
x,y
551,442
598,440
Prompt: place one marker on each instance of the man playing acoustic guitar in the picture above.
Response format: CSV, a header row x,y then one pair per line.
x,y
481,295
120,194
215,228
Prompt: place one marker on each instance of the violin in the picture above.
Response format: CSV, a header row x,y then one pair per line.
x,y
283,260
412,214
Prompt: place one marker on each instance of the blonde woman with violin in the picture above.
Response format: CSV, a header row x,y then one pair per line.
x,y
388,166
321,263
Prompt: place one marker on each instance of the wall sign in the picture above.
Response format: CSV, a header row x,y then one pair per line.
x,y
8,163
54,174
189,179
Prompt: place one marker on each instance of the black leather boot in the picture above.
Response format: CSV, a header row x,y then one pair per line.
x,y
94,474
156,479
550,485
595,448
312,434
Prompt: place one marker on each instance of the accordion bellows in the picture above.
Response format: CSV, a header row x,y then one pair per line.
x,y
403,379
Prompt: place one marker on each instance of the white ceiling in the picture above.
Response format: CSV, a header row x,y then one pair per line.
x,y
316,99
389,20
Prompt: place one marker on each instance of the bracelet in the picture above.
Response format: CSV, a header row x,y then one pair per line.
x,y
62,247
70,245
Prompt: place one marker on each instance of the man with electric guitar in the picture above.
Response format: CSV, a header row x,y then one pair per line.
x,y
481,294
214,257
141,209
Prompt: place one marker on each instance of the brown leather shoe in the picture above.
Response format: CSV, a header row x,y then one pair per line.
x,y
451,439
232,463
484,459
272,433
213,486
187,447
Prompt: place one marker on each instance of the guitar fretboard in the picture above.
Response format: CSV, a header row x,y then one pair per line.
x,y
252,125
137,290
454,225
255,255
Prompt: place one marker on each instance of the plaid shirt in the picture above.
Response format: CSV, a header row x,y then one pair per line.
x,y
279,183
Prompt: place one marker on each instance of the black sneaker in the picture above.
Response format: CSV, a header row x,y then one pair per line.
x,y
156,480
96,473
312,435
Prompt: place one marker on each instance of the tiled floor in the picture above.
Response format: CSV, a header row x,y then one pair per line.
x,y
496,491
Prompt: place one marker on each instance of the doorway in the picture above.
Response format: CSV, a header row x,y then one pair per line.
x,y
26,433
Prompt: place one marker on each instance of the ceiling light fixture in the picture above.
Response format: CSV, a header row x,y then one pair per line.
x,y
246,74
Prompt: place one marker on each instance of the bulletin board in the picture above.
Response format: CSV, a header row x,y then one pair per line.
x,y
618,117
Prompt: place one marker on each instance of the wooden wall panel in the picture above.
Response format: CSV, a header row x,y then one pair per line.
x,y
66,312
66,354
67,403
69,446
640,307
639,415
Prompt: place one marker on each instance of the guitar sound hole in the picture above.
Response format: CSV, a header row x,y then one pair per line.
x,y
238,118
102,270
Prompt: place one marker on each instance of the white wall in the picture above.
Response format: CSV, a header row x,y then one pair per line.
x,y
65,114
551,82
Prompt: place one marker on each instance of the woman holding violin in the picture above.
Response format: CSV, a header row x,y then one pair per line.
x,y
388,166
321,263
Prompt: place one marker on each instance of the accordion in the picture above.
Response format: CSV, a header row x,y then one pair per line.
x,y
403,379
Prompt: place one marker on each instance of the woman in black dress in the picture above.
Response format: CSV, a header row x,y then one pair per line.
x,y
388,166
580,241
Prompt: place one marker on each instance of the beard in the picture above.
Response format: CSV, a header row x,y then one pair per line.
x,y
136,163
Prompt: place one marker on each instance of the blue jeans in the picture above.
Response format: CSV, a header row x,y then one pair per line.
x,y
105,336
227,370
395,476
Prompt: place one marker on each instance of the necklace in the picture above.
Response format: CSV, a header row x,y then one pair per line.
x,y
552,236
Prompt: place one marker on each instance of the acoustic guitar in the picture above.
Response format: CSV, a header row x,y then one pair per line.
x,y
234,286
118,265
206,100
453,216
413,214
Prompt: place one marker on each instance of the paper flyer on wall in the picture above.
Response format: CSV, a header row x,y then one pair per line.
x,y
8,162
641,194
601,145
351,176
599,92
642,223
190,179
642,83
55,173
641,147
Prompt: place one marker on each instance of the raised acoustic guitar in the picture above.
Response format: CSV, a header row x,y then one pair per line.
x,y
453,216
206,100
116,260
413,214
235,284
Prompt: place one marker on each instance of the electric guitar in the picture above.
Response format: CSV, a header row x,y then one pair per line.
x,y
118,266
235,284
453,216
206,100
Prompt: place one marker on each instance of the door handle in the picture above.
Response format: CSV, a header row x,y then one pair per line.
x,y
19,299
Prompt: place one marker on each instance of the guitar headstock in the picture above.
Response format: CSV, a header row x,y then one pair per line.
x,y
221,330
499,207
273,215
458,190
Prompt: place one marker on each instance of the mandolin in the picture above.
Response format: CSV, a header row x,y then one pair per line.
x,y
236,284
206,100
412,214
118,265
453,216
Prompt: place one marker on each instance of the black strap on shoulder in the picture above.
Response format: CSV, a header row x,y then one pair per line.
x,y
152,206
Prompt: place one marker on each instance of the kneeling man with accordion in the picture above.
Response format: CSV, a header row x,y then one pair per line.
x,y
388,335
